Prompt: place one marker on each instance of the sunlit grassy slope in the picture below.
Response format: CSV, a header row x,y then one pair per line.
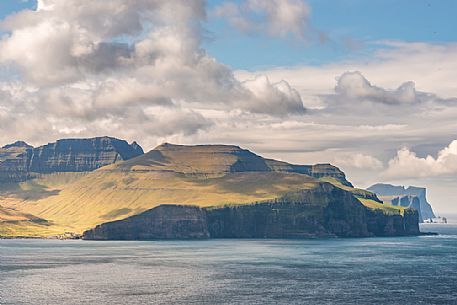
x,y
16,221
385,207
197,175
31,229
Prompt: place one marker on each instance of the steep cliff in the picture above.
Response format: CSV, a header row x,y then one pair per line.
x,y
14,162
320,212
323,211
19,161
411,197
162,222
382,224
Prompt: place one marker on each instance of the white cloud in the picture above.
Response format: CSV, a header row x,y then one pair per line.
x,y
279,18
359,161
408,164
389,66
370,111
279,98
146,50
354,87
85,66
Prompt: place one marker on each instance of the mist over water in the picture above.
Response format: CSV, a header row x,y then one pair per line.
x,y
407,270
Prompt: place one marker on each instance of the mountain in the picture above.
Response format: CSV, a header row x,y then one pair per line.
x,y
20,161
412,197
218,160
210,177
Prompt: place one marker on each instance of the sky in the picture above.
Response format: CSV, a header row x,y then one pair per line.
x,y
368,86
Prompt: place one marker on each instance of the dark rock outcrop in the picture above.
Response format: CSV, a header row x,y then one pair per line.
x,y
19,161
320,212
411,197
162,222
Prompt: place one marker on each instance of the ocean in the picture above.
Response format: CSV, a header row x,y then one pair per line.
x,y
403,270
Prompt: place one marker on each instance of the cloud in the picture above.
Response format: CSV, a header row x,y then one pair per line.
x,y
277,18
354,87
136,69
338,126
273,98
61,42
89,67
360,161
407,164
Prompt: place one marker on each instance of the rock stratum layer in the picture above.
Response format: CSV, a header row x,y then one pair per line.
x,y
325,211
20,161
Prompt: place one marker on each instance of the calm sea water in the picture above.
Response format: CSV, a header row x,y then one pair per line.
x,y
410,270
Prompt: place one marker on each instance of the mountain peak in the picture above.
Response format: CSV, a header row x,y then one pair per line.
x,y
136,147
18,144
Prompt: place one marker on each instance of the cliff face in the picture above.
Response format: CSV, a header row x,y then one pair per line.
x,y
19,161
380,224
14,162
81,155
411,197
425,206
407,201
323,211
163,222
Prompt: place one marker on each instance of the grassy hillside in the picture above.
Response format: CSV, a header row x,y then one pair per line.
x,y
16,220
197,175
31,229
109,195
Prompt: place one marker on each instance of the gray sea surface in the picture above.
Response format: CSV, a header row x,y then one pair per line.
x,y
403,270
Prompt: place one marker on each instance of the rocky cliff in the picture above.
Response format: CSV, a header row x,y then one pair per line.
x,y
411,197
320,212
19,161
162,222
14,162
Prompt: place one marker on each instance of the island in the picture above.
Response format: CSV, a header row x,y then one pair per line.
x,y
104,188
